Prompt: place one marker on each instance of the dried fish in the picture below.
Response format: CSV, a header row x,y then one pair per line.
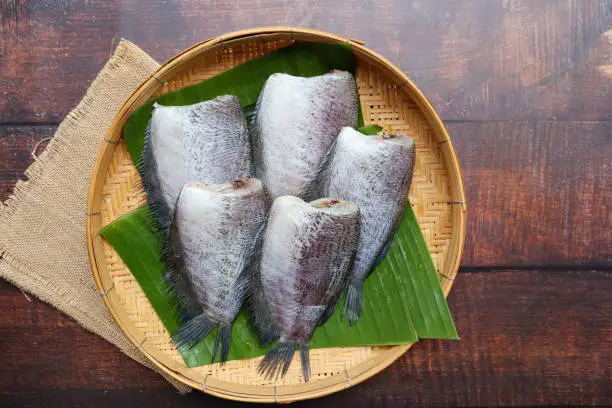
x,y
306,254
210,247
296,122
375,173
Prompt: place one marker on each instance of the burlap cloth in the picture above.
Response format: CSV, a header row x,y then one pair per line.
x,y
42,225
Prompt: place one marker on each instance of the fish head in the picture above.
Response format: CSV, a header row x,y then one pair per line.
x,y
196,198
324,206
404,141
238,187
334,206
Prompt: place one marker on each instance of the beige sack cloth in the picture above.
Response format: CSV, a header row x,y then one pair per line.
x,y
42,225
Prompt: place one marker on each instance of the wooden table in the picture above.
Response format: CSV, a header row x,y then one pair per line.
x,y
525,87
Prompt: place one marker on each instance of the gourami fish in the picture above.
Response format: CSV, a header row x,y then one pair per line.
x,y
296,121
306,254
207,142
211,245
375,173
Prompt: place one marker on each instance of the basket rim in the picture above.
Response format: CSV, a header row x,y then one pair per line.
x,y
155,80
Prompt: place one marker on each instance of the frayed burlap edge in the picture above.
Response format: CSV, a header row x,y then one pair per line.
x,y
42,225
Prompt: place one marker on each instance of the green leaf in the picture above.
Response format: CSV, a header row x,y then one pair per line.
x,y
403,295
370,130
410,261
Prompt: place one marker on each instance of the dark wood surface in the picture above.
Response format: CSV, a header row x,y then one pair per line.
x,y
525,88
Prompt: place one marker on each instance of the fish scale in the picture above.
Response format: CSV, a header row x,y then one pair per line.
x,y
207,142
213,238
296,121
374,172
306,254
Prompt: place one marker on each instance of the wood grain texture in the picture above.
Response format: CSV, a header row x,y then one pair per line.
x,y
16,146
528,337
538,193
477,59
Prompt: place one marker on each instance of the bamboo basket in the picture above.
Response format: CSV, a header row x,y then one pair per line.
x,y
388,98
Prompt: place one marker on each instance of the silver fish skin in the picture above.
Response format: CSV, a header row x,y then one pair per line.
x,y
207,142
374,172
296,121
212,241
306,254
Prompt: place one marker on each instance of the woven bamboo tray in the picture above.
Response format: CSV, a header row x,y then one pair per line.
x,y
388,98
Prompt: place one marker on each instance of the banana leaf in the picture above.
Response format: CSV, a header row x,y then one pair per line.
x,y
403,299
370,129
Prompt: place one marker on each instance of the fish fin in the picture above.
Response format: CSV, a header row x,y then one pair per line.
x,y
171,238
385,249
382,254
266,332
177,285
183,300
261,321
315,189
253,258
249,117
326,314
338,287
353,300
187,310
329,310
305,359
354,291
150,180
242,284
224,337
181,296
192,332
357,113
277,361
145,147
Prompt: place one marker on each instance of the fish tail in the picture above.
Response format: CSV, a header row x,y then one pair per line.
x,y
305,358
224,337
192,332
278,360
352,303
